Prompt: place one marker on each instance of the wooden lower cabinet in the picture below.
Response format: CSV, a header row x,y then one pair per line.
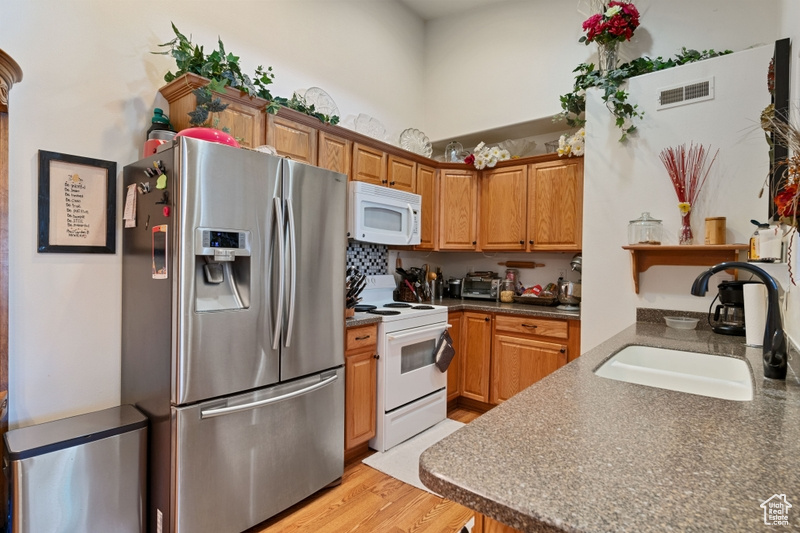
x,y
524,350
360,400
484,524
454,370
499,355
519,362
475,358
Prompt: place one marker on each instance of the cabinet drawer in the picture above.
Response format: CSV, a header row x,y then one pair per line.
x,y
361,337
532,326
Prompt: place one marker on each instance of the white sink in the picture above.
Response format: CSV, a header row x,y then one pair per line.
x,y
696,373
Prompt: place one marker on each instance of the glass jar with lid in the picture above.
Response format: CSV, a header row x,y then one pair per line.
x,y
508,290
644,230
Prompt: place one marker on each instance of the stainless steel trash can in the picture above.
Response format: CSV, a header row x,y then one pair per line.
x,y
81,474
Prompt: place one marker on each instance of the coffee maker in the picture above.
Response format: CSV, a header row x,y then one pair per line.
x,y
728,317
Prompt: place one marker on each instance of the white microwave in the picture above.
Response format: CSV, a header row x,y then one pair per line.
x,y
383,215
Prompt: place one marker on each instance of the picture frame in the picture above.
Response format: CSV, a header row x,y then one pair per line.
x,y
77,204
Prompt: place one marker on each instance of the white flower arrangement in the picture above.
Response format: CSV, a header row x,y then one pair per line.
x,y
569,145
484,156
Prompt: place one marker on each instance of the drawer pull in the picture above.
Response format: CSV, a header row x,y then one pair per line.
x,y
529,325
563,350
376,356
365,337
487,319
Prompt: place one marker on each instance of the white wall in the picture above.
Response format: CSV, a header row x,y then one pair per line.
x,y
89,86
623,180
508,63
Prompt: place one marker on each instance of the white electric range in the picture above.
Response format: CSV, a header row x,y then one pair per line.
x,y
412,391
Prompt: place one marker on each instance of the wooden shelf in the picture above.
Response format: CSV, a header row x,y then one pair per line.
x,y
643,256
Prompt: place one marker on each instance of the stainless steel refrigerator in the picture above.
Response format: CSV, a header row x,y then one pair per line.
x,y
232,331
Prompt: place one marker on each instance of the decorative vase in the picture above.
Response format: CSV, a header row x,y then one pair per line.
x,y
607,57
685,234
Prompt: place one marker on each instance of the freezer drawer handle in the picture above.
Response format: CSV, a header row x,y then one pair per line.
x,y
211,413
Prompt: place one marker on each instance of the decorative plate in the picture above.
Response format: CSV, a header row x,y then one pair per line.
x,y
415,141
370,126
322,101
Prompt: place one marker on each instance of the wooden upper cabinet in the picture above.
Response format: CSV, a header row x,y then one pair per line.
x,y
335,153
401,174
291,139
426,187
458,209
503,194
244,117
369,164
555,205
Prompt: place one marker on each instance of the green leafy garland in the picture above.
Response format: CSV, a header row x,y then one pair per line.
x,y
573,104
223,70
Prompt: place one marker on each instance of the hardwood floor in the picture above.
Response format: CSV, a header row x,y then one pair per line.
x,y
370,501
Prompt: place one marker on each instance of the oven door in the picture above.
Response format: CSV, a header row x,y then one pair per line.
x,y
409,371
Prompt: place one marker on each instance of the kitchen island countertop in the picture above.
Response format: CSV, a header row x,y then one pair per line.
x,y
579,453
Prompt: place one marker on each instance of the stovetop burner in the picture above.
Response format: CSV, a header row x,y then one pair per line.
x,y
360,308
383,312
423,307
397,304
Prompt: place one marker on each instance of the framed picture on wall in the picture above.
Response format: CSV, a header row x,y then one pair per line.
x,y
77,204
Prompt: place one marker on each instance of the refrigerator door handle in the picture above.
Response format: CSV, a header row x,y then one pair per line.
x,y
292,270
281,275
220,411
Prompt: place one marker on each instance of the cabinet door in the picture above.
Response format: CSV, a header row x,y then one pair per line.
x,y
555,205
453,371
458,195
519,362
402,174
360,398
369,165
476,355
426,187
502,215
291,139
334,153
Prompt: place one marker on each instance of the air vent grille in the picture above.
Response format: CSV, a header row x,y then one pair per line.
x,y
697,91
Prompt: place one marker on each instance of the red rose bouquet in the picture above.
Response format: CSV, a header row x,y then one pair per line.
x,y
615,24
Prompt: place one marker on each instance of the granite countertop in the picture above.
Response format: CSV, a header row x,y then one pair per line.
x,y
489,306
580,453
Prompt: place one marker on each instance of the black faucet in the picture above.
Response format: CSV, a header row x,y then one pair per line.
x,y
774,338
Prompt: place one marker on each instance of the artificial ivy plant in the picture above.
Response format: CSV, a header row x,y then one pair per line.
x,y
223,70
573,104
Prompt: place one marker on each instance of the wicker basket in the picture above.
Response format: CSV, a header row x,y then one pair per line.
x,y
536,300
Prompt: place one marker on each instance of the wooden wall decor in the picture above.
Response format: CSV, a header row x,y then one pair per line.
x,y
10,73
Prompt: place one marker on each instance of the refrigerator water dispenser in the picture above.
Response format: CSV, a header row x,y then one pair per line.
x,y
222,270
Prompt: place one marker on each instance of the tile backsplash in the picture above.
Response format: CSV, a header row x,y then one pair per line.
x,y
369,259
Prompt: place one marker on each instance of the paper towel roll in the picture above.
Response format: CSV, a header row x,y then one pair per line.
x,y
755,313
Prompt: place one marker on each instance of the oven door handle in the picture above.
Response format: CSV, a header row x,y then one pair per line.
x,y
416,332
